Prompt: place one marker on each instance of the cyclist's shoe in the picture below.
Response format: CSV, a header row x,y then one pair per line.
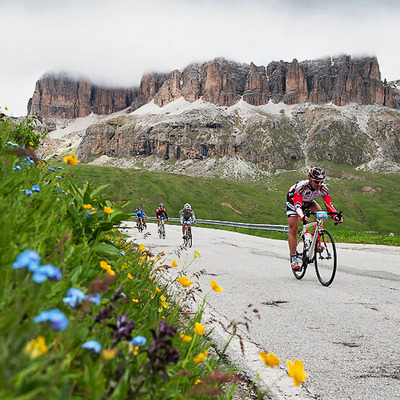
x,y
296,264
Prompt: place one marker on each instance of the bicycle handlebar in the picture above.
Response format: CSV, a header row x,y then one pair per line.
x,y
307,213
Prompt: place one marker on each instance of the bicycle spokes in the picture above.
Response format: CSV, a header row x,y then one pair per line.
x,y
325,258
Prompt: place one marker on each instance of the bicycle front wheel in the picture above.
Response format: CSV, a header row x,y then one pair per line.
x,y
325,258
301,254
189,241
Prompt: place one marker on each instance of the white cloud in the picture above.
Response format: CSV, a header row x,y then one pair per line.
x,y
117,42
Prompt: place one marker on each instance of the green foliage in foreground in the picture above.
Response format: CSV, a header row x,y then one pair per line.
x,y
369,201
125,303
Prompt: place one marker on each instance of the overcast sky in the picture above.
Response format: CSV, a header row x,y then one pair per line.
x,y
116,42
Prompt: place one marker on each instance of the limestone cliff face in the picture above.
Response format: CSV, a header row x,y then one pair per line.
x,y
352,135
59,96
340,81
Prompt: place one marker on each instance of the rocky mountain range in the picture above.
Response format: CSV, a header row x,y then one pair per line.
x,y
340,81
223,118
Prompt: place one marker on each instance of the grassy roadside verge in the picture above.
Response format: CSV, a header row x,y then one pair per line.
x,y
368,200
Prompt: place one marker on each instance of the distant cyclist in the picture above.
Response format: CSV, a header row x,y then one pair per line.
x,y
161,213
140,216
187,217
300,197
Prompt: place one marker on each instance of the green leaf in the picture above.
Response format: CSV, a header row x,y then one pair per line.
x,y
106,248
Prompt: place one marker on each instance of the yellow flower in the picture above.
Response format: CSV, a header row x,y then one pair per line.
x,y
108,210
71,159
104,265
107,267
135,300
36,347
197,254
129,276
200,358
165,304
215,286
296,371
143,257
108,354
142,248
270,359
87,206
184,281
6,108
185,338
198,381
30,144
199,328
174,264
158,289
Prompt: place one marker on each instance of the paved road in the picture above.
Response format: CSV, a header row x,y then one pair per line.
x,y
347,335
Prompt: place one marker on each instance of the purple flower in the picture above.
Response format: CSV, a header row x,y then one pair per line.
x,y
51,169
74,297
138,341
56,317
35,188
92,345
59,167
17,168
45,272
122,329
29,258
122,253
28,192
11,144
58,177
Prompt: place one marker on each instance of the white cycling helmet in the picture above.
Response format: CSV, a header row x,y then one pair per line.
x,y
187,206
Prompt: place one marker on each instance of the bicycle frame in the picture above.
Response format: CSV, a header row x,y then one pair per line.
x,y
318,224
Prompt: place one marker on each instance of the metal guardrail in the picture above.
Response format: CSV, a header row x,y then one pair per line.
x,y
263,227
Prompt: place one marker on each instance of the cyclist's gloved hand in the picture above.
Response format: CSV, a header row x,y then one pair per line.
x,y
305,219
337,218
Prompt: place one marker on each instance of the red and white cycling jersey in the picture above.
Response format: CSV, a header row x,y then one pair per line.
x,y
301,195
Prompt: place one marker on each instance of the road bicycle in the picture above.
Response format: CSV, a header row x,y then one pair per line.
x,y
318,248
187,237
140,225
161,228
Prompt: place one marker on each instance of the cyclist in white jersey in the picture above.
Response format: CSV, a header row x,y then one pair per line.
x,y
301,196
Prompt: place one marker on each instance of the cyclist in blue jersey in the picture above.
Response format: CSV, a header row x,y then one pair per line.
x,y
139,213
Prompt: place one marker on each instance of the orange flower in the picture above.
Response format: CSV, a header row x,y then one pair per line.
x,y
185,338
199,328
184,281
200,358
296,371
270,359
108,210
215,286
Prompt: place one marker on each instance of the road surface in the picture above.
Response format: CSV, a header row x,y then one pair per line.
x,y
347,335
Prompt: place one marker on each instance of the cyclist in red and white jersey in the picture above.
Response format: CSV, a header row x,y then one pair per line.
x,y
301,196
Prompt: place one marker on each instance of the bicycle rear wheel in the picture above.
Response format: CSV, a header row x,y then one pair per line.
x,y
300,252
160,231
325,258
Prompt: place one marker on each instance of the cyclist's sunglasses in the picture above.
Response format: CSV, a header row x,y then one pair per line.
x,y
318,181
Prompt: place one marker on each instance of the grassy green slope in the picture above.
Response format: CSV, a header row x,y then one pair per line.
x,y
375,209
